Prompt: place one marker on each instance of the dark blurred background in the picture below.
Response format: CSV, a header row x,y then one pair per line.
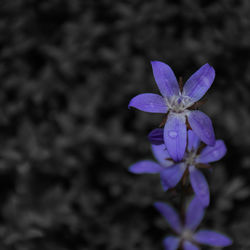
x,y
68,70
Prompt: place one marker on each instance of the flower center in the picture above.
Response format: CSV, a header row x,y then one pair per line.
x,y
178,103
187,235
190,158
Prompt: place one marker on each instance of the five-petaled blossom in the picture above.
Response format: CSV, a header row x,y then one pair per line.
x,y
172,172
178,105
186,235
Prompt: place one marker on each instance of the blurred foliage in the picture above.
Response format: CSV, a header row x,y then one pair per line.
x,y
68,70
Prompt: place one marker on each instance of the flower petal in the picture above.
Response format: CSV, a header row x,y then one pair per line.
x,y
175,136
193,140
164,185
194,214
211,154
161,154
145,167
202,127
148,102
199,185
171,243
170,215
198,84
212,238
165,79
156,136
187,245
172,175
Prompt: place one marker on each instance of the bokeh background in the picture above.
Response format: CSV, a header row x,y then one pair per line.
x,y
67,72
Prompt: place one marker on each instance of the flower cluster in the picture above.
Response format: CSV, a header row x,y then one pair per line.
x,y
185,232
184,147
194,159
178,104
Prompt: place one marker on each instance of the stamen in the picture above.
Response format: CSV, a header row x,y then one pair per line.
x,y
187,235
179,103
190,158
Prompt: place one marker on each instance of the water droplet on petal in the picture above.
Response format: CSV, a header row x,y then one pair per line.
x,y
172,133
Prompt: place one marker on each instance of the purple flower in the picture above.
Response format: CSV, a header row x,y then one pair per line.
x,y
178,104
186,235
171,172
156,136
